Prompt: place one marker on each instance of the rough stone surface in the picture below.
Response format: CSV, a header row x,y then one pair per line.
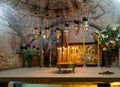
x,y
18,17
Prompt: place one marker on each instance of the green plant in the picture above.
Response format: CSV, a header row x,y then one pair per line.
x,y
27,54
108,38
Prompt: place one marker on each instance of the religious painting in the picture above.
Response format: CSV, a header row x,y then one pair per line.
x,y
78,54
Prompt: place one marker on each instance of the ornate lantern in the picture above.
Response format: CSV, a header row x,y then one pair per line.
x,y
36,32
47,32
58,34
66,30
76,26
85,24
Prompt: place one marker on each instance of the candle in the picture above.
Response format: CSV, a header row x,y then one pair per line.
x,y
84,43
68,54
64,54
98,46
98,52
75,55
59,54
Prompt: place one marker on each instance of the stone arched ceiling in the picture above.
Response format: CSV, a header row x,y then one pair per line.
x,y
22,15
42,7
68,9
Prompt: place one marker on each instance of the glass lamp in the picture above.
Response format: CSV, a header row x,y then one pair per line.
x,y
58,34
85,24
76,26
66,30
47,32
36,32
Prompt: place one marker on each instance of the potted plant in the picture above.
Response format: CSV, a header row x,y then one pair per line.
x,y
109,41
27,55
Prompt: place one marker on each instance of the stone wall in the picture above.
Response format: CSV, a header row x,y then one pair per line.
x,y
9,47
9,61
20,16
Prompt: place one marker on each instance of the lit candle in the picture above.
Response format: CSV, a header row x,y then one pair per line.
x,y
59,54
68,54
64,54
75,55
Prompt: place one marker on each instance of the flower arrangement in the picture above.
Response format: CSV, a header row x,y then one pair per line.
x,y
28,53
108,38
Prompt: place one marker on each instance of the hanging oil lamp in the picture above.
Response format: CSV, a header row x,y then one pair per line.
x,y
58,31
58,34
85,24
66,30
76,26
36,32
47,32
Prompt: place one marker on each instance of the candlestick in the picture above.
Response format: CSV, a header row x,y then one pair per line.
x,y
50,59
98,52
84,43
84,52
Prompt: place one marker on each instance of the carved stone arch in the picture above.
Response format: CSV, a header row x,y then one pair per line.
x,y
9,17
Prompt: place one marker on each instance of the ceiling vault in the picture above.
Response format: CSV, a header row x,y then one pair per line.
x,y
24,11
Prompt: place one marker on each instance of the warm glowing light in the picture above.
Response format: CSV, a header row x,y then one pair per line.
x,y
115,83
59,48
47,33
43,36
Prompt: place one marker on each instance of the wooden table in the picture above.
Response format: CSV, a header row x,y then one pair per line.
x,y
66,65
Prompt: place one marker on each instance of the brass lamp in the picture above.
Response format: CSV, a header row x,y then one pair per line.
x,y
85,24
58,34
47,32
36,32
66,30
76,26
